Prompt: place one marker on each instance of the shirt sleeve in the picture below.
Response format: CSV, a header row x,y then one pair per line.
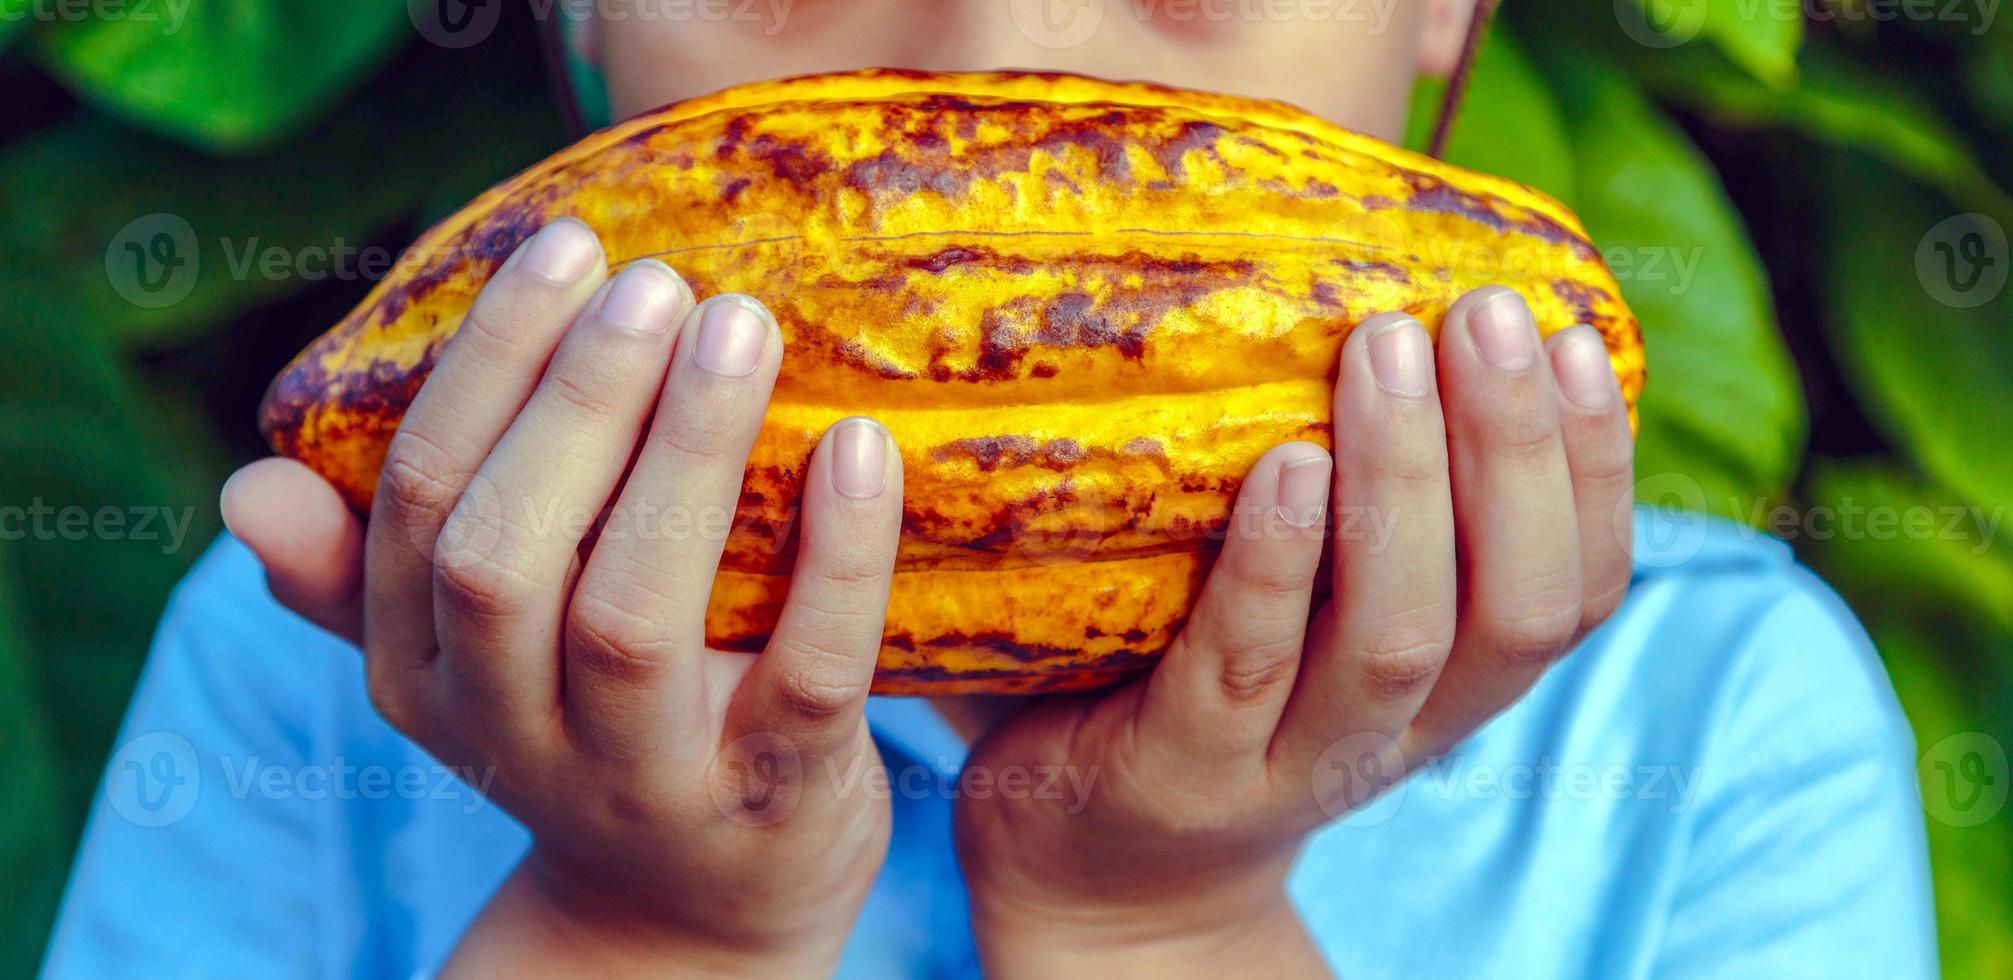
x,y
1807,854
192,863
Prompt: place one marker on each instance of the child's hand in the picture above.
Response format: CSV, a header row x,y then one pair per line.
x,y
1505,494
653,773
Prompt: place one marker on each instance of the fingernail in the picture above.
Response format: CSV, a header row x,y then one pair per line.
x,y
645,297
1303,490
561,252
1401,358
1504,331
731,337
859,459
1580,362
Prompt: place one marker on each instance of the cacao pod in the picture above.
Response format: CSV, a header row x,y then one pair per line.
x,y
1083,309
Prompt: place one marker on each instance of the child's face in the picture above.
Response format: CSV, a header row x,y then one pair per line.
x,y
1351,61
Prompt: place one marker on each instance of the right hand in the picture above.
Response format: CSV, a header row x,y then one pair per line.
x,y
655,775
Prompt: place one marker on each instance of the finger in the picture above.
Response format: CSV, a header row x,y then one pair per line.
x,y
636,629
500,591
483,377
305,536
1600,452
1377,647
809,686
1517,530
1217,694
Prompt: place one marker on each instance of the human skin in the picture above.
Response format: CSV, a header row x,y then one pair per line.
x,y
578,670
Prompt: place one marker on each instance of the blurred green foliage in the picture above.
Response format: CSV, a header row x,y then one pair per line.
x,y
1774,194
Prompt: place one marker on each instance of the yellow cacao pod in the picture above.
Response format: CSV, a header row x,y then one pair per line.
x,y
1083,309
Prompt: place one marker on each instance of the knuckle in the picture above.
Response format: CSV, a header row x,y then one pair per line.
x,y
817,682
615,640
482,328
1524,433
584,392
481,589
412,481
850,577
1542,627
1607,465
623,664
701,437
1412,462
1258,671
618,617
1404,656
1275,581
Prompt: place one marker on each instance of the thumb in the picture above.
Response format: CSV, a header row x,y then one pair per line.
x,y
307,538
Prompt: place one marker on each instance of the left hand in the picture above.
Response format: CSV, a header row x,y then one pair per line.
x,y
1497,476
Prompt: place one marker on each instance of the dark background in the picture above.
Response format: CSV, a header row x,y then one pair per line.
x,y
1837,358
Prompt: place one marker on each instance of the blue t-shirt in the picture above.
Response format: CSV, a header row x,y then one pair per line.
x,y
1717,783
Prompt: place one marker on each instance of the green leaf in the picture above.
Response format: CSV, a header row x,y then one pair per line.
x,y
1722,414
223,74
1918,317
1949,711
93,215
106,522
1835,102
33,835
1893,540
83,432
1936,594
1988,82
1509,124
14,17
1761,37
